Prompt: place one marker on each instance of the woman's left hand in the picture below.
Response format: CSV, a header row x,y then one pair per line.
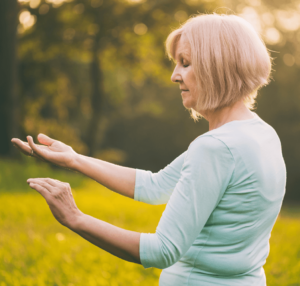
x,y
59,198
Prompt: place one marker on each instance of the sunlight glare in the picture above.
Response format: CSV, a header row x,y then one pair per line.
x,y
34,3
250,15
272,36
44,9
26,19
254,3
60,236
268,18
135,1
57,3
288,20
180,15
289,59
140,29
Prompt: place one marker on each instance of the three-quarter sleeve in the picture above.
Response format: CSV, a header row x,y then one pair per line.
x,y
205,175
156,188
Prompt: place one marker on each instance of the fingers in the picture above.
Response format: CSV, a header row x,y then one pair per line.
x,y
25,148
19,143
53,182
40,188
41,182
22,146
48,183
35,148
50,188
44,139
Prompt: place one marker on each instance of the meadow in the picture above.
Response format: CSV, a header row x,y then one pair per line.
x,y
35,250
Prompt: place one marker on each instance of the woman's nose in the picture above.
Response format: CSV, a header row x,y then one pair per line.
x,y
176,77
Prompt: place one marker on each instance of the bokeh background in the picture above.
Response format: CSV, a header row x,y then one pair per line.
x,y
94,74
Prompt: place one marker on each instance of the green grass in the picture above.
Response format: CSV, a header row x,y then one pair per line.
x,y
14,174
36,250
283,264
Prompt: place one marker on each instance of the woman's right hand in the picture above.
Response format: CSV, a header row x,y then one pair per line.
x,y
52,151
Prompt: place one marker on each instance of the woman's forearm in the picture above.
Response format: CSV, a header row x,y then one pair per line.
x,y
117,241
116,178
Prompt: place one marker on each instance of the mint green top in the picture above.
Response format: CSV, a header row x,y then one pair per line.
x,y
223,197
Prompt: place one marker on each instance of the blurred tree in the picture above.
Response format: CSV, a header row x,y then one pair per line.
x,y
9,111
120,43
93,73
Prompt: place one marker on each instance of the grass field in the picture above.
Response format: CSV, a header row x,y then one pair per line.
x,y
36,250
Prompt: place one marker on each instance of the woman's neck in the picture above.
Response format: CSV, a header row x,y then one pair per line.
x,y
237,111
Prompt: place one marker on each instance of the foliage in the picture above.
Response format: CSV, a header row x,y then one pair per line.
x,y
56,54
143,123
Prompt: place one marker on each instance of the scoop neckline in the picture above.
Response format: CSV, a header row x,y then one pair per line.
x,y
246,120
256,117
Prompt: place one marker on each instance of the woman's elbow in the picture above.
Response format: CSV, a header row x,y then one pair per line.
x,y
167,259
165,264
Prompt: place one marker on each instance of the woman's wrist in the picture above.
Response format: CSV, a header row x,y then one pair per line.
x,y
74,162
76,221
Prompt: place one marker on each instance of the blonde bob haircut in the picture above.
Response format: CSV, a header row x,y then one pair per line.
x,y
229,58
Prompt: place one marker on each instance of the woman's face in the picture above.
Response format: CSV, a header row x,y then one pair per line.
x,y
184,73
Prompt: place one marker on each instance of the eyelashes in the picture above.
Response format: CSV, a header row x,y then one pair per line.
x,y
184,63
185,66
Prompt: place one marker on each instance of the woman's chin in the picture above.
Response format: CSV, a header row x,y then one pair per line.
x,y
187,104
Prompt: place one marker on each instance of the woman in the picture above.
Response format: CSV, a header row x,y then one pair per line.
x,y
223,194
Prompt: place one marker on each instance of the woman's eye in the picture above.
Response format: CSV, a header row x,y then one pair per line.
x,y
185,64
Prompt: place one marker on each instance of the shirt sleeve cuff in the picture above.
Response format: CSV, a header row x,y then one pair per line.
x,y
145,256
138,184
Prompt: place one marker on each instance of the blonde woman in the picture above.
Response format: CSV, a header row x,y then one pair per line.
x,y
223,193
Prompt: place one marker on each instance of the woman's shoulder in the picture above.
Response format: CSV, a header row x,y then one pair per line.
x,y
208,144
210,154
239,134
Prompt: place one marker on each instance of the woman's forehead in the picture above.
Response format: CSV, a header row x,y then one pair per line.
x,y
183,47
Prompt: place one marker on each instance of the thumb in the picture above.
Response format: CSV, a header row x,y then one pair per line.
x,y
44,139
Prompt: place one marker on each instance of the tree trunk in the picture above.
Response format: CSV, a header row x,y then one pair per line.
x,y
96,101
9,110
